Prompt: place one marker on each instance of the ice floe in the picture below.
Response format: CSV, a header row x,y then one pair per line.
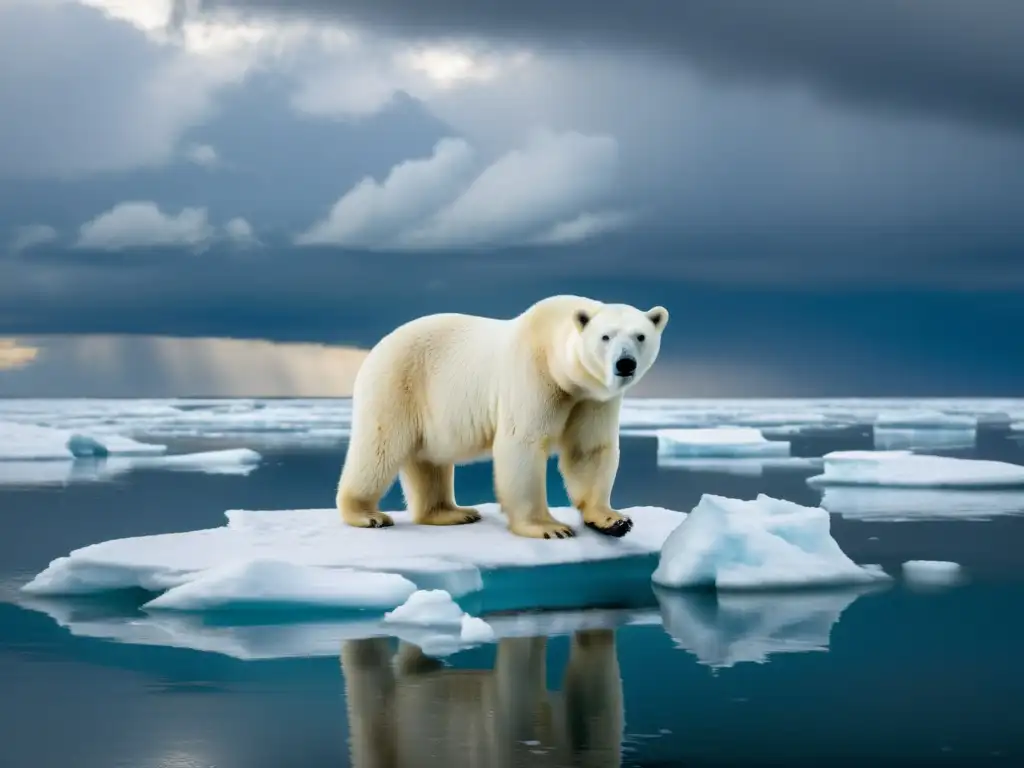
x,y
456,558
718,442
757,544
29,442
905,469
232,461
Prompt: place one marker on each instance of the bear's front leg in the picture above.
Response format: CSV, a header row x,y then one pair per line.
x,y
520,483
588,460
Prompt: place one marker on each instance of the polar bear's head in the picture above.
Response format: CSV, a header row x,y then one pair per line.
x,y
616,345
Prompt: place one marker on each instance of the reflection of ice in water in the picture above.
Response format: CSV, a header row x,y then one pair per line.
x,y
105,619
902,504
895,439
730,628
745,467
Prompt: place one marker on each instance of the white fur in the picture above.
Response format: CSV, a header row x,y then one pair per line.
x,y
449,388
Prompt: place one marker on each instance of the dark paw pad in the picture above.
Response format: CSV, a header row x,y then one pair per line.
x,y
618,529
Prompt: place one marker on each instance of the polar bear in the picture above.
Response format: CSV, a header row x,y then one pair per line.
x,y
449,388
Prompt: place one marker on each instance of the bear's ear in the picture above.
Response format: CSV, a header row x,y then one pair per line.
x,y
658,317
581,318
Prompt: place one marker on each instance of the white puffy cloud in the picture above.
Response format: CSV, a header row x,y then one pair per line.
x,y
450,200
141,224
202,155
373,212
32,236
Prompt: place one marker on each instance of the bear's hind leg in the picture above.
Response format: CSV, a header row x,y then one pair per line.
x,y
429,491
370,468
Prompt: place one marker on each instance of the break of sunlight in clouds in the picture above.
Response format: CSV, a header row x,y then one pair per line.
x,y
153,73
452,199
31,236
154,366
14,355
141,224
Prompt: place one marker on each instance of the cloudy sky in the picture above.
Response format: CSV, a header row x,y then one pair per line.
x,y
234,196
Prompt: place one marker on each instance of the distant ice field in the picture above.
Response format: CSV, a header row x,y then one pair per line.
x,y
328,420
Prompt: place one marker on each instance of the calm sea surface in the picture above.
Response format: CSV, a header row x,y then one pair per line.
x,y
902,676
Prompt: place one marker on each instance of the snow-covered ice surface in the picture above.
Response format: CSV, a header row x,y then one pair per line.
x,y
458,558
938,572
759,544
726,629
31,442
907,504
329,420
905,469
718,442
262,584
232,461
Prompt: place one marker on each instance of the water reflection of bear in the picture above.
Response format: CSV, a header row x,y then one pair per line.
x,y
406,709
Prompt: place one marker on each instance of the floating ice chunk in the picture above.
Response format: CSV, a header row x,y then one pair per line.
x,y
932,572
725,629
719,442
236,461
317,538
904,504
911,417
427,608
905,469
267,584
31,442
227,461
435,610
764,543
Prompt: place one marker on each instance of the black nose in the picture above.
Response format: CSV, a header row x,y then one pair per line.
x,y
625,366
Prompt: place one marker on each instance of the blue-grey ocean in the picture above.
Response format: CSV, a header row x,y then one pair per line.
x,y
906,674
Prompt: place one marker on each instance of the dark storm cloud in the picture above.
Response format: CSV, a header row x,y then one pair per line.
x,y
950,57
843,337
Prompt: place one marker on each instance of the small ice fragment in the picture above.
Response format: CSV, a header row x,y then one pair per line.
x,y
427,608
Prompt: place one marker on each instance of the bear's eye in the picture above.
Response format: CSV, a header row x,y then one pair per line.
x,y
641,337
606,337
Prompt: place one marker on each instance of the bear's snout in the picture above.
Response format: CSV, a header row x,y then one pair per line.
x,y
625,366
